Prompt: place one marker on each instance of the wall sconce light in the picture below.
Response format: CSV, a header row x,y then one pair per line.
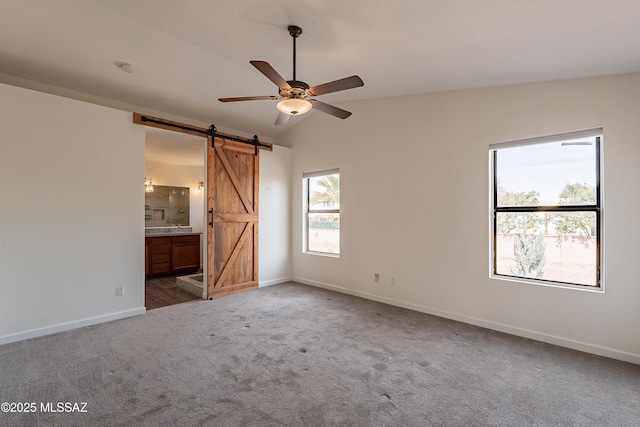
x,y
200,187
148,185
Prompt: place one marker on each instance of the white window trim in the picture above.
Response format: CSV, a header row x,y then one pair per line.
x,y
589,132
305,213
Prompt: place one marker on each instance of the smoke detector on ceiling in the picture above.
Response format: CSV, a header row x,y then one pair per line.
x,y
126,67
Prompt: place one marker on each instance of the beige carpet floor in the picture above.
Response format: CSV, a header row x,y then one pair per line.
x,y
293,355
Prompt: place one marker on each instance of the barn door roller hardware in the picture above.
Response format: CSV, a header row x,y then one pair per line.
x,y
255,141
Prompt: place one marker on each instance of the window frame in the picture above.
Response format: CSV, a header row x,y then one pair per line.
x,y
306,177
595,208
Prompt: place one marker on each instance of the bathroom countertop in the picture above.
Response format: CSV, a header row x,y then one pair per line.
x,y
169,231
173,233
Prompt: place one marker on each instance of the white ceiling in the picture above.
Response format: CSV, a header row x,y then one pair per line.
x,y
188,53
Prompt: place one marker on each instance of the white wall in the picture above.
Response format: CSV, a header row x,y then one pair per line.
x,y
414,206
71,218
274,216
71,223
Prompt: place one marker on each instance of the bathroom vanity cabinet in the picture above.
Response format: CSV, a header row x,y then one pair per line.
x,y
167,255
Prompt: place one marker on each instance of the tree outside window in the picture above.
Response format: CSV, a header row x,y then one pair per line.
x,y
323,213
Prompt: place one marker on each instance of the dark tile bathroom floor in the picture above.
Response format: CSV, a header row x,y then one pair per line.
x,y
163,291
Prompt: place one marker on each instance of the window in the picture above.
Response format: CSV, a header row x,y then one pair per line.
x,y
322,212
546,209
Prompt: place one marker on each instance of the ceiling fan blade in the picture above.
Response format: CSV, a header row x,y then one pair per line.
x,y
282,118
248,98
271,74
337,85
329,109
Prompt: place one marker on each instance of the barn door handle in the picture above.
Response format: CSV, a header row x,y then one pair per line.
x,y
211,217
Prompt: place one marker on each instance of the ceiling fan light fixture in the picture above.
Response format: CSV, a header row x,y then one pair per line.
x,y
293,92
294,106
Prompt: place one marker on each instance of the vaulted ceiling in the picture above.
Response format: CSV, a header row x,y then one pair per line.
x,y
189,53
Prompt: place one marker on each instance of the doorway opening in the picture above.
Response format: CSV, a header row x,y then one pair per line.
x,y
232,185
175,217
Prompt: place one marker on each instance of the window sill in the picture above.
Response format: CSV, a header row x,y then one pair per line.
x,y
324,254
599,290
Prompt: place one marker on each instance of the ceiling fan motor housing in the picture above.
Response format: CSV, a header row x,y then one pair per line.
x,y
298,90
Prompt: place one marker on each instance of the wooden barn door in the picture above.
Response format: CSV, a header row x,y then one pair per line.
x,y
232,205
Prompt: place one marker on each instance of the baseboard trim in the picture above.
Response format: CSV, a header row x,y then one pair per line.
x,y
525,333
274,282
61,327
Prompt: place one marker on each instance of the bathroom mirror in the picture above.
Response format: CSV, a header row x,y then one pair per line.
x,y
166,206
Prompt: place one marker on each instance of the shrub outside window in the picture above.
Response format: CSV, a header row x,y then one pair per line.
x,y
322,191
546,209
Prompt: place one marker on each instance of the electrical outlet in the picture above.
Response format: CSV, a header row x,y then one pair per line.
x,y
376,277
393,281
119,290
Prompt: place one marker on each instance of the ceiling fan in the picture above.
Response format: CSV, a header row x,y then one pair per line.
x,y
295,93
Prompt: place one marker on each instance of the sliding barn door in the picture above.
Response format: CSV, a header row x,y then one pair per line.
x,y
232,202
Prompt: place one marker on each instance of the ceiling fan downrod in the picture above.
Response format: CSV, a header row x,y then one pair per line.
x,y
295,32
